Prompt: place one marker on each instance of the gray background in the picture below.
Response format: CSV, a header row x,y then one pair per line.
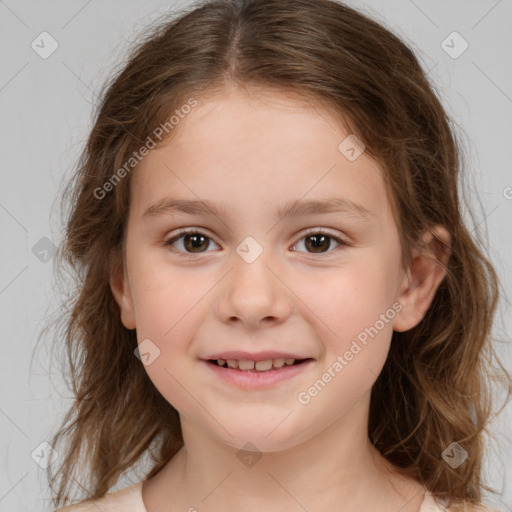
x,y
46,107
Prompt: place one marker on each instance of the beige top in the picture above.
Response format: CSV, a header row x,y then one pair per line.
x,y
129,499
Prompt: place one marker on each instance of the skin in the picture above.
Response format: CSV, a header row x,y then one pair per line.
x,y
253,152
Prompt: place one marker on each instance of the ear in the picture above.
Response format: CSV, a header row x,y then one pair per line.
x,y
121,290
422,278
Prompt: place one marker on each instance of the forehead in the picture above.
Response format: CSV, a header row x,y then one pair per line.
x,y
260,144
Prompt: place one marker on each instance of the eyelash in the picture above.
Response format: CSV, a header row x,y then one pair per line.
x,y
188,231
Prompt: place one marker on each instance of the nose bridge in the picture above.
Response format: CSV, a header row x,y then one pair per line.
x,y
253,291
251,264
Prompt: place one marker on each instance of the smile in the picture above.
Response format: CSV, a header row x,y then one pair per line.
x,y
256,366
256,375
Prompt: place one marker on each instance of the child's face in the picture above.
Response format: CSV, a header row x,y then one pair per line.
x,y
250,156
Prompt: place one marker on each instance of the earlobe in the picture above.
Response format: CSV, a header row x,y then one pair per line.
x,y
120,288
421,281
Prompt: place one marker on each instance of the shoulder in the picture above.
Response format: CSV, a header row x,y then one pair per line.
x,y
128,499
470,507
432,503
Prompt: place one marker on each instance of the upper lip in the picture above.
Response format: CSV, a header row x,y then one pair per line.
x,y
255,356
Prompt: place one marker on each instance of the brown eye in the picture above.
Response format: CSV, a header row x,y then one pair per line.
x,y
194,242
319,242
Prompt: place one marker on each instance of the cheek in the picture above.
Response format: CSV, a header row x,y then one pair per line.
x,y
164,294
358,311
351,298
168,307
358,307
170,301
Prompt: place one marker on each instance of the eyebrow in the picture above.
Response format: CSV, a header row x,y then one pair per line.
x,y
298,207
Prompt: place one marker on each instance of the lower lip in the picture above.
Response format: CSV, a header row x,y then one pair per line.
x,y
253,380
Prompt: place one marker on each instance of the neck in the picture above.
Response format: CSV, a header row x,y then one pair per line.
x,y
338,468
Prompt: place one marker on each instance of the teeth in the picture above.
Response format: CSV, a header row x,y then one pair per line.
x,y
261,366
243,364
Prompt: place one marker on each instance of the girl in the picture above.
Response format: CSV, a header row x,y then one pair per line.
x,y
278,298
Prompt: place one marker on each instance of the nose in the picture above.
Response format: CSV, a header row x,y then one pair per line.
x,y
254,294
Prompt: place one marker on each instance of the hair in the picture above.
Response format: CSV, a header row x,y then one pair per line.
x,y
434,388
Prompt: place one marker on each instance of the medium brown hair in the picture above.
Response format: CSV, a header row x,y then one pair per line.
x,y
434,388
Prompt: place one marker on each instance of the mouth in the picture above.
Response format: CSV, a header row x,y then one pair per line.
x,y
245,365
256,375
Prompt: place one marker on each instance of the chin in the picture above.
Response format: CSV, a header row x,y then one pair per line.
x,y
266,437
